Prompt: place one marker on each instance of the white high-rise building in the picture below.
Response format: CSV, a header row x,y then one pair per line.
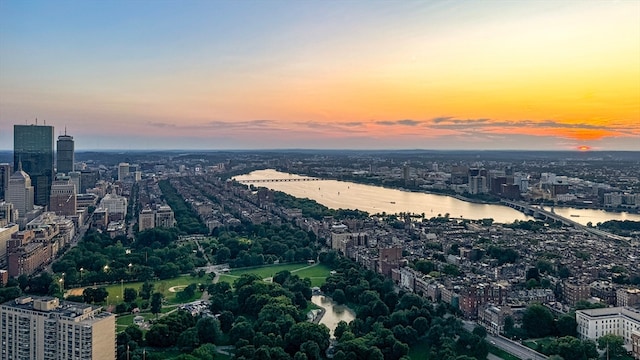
x,y
20,192
123,171
43,328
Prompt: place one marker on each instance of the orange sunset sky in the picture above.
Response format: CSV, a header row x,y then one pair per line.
x,y
194,74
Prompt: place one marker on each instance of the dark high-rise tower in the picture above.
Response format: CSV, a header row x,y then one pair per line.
x,y
65,152
5,174
33,146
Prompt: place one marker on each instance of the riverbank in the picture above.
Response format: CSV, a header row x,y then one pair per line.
x,y
376,199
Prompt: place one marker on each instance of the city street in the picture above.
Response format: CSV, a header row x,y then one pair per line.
x,y
512,347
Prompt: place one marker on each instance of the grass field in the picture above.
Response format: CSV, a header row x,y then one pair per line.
x,y
537,343
164,286
317,273
122,321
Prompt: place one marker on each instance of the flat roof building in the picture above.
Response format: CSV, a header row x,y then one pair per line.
x,y
40,328
621,321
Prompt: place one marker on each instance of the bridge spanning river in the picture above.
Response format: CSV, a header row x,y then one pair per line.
x,y
246,181
539,213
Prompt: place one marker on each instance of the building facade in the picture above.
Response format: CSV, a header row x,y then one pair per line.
x,y
63,199
5,174
45,328
621,321
33,147
21,192
5,234
65,151
123,171
146,220
165,217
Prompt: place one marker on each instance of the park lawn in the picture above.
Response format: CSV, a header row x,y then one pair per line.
x,y
537,344
115,290
126,320
267,270
317,273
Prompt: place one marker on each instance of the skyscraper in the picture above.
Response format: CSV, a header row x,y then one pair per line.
x,y
33,146
65,152
20,192
63,197
5,174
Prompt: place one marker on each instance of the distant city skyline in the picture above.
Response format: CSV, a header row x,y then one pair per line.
x,y
529,75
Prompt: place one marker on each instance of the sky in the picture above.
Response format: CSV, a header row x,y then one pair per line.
x,y
206,74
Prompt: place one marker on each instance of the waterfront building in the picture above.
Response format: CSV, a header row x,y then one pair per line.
x,y
41,328
33,147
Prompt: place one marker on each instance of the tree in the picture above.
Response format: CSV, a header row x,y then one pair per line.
x,y
204,352
567,325
303,332
241,330
156,303
188,340
339,296
146,290
159,336
130,295
537,321
208,330
614,345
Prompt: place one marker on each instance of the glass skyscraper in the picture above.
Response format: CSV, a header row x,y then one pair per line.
x,y
33,146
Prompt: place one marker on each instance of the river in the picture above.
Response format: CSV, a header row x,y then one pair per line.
x,y
334,313
376,199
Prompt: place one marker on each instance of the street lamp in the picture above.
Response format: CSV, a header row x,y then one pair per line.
x,y
61,281
81,270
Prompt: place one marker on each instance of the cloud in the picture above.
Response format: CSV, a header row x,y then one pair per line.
x,y
160,124
405,122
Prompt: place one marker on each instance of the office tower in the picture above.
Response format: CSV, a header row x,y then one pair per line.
x,y
33,146
165,217
88,180
20,192
146,220
7,214
38,328
123,171
65,152
5,174
76,180
63,197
